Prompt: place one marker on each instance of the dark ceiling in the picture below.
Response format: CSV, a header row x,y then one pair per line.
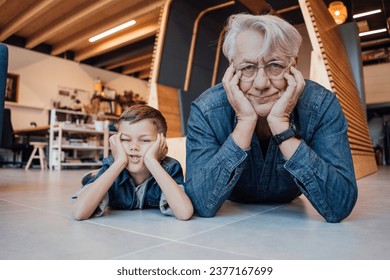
x,y
62,28
372,44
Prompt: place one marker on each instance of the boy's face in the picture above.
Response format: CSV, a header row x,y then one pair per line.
x,y
136,139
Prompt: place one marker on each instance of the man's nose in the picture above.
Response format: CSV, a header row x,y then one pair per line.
x,y
261,80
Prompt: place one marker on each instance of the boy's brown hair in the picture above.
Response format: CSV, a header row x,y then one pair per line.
x,y
138,112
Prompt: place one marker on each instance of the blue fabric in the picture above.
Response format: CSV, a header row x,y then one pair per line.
x,y
122,192
321,168
3,81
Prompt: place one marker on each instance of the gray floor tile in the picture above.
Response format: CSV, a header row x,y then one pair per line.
x,y
35,234
36,223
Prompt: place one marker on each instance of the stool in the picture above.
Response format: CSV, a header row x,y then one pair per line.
x,y
38,146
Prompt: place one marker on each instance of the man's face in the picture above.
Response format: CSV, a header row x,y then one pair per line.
x,y
265,86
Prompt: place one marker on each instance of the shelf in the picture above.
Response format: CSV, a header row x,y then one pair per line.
x,y
14,104
64,111
73,150
80,129
79,164
87,148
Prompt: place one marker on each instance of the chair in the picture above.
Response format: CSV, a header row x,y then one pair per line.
x,y
38,148
9,141
3,81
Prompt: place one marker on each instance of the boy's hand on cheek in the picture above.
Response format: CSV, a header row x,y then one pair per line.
x,y
117,150
158,150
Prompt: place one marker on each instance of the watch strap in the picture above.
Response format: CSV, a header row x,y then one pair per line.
x,y
283,136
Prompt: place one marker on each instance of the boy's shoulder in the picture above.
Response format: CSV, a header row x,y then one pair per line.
x,y
169,162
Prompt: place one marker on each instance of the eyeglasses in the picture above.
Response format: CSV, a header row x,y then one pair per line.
x,y
273,70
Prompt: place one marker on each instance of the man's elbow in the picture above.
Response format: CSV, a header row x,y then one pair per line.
x,y
205,212
338,216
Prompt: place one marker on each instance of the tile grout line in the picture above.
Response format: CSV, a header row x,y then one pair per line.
x,y
179,241
185,237
35,208
131,231
232,222
168,240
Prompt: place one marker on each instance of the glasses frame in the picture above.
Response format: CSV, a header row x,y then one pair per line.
x,y
277,77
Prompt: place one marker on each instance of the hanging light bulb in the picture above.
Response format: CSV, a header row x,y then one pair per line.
x,y
338,11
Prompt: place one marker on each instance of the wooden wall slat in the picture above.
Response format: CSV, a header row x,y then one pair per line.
x,y
327,41
168,104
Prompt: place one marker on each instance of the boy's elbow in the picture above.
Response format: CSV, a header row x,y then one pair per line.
x,y
186,214
78,215
77,218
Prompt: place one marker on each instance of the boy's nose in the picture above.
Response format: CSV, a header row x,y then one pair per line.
x,y
134,147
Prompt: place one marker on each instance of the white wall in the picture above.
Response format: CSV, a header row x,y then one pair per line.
x,y
41,75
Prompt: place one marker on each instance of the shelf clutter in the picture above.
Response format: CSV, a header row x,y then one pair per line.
x,y
80,140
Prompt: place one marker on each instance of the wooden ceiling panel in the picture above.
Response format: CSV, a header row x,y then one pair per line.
x,y
10,9
63,27
117,42
83,43
57,12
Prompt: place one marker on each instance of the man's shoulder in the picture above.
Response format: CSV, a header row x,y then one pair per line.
x,y
315,95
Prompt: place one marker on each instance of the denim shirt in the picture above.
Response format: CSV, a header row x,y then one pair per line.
x,y
321,168
122,193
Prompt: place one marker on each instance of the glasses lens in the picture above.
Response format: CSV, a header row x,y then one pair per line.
x,y
274,69
248,72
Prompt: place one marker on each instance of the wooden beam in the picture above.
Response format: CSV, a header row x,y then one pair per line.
x,y
128,38
147,56
66,22
111,22
288,9
137,67
144,74
255,6
24,18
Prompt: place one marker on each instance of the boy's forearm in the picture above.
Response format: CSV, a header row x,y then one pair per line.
x,y
89,199
177,199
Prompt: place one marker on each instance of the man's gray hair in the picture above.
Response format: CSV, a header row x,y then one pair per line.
x,y
279,35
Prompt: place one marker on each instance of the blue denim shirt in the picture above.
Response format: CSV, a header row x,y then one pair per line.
x,y
321,168
122,192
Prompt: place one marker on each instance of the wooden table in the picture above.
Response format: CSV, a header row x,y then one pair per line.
x,y
38,130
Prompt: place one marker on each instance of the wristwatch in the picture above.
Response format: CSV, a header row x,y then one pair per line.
x,y
287,134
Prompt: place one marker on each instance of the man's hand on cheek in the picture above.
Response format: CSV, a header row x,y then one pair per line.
x,y
284,106
236,97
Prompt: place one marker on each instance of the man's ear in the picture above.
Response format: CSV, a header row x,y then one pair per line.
x,y
296,61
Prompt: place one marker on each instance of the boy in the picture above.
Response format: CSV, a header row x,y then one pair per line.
x,y
138,174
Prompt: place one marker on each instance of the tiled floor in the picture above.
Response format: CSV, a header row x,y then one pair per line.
x,y
36,223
